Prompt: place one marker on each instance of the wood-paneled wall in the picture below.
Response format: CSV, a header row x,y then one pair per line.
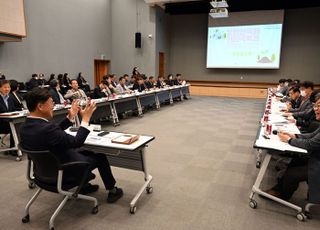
x,y
230,89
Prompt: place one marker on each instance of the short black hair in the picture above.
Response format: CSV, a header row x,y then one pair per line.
x,y
307,84
53,83
14,85
35,96
120,79
295,89
151,77
178,74
282,80
125,75
34,75
73,80
3,82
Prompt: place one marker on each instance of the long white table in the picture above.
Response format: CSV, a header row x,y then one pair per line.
x,y
124,156
271,145
14,120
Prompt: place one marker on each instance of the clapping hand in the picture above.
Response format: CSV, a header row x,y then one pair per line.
x,y
73,111
87,112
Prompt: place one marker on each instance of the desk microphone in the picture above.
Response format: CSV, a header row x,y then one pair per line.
x,y
275,132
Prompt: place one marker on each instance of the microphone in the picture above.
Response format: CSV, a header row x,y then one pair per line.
x,y
275,132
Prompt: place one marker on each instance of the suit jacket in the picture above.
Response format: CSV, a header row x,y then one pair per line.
x,y
51,136
97,93
55,96
159,84
33,83
4,124
296,103
17,101
176,82
148,84
140,88
170,82
311,142
304,106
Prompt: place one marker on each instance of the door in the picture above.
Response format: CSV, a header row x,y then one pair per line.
x,y
100,69
161,64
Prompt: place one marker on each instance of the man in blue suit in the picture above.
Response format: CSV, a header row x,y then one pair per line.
x,y
38,133
6,105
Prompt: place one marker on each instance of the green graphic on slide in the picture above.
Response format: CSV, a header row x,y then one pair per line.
x,y
266,58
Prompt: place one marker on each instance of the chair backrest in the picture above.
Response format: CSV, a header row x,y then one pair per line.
x,y
45,165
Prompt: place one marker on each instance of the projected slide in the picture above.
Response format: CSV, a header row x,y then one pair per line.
x,y
253,46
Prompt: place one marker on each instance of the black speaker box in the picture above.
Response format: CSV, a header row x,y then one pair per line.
x,y
138,40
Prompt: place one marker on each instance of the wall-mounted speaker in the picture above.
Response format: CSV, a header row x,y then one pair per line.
x,y
138,40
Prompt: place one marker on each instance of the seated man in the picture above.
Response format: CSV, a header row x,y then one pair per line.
x,y
139,85
160,83
55,92
33,82
295,98
170,80
150,83
17,99
38,133
101,90
306,91
75,92
122,88
6,105
302,169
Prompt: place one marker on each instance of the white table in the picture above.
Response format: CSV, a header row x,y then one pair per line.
x,y
273,145
14,120
124,156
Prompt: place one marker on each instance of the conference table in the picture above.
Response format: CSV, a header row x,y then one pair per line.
x,y
268,143
106,107
128,156
15,119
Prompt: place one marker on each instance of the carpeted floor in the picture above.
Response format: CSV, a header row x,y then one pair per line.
x,y
203,166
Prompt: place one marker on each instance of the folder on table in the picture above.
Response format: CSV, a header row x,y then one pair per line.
x,y
126,139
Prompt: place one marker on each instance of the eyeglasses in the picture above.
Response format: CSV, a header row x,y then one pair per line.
x,y
316,107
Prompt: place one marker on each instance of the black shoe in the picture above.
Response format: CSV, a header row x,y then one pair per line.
x,y
89,188
114,196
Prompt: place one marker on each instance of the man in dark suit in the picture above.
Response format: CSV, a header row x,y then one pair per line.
x,y
302,169
17,100
295,97
6,105
38,133
139,85
33,83
55,93
160,82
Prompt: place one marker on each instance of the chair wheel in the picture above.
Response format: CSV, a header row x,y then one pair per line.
x,y
31,185
308,215
149,190
133,209
95,210
26,219
301,217
253,204
258,164
18,159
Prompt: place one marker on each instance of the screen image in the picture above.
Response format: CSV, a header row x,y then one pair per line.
x,y
245,46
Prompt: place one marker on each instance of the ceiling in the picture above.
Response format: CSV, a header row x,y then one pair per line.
x,y
201,7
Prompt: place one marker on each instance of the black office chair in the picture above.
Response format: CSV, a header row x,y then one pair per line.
x,y
49,174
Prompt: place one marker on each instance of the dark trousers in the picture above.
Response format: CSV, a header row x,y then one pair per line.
x,y
296,172
100,161
5,129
